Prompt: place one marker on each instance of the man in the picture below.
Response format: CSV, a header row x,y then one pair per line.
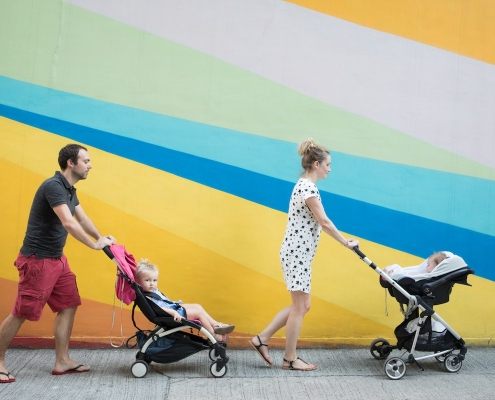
x,y
44,273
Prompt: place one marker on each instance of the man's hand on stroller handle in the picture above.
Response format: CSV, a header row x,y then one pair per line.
x,y
104,241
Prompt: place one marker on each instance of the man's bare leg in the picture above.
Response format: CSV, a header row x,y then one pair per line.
x,y
62,330
8,329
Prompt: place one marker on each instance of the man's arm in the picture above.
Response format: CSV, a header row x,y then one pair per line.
x,y
82,231
86,223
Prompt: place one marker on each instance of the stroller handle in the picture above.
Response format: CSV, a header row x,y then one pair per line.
x,y
363,257
108,252
356,250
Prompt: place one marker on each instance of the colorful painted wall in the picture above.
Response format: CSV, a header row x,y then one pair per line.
x,y
192,112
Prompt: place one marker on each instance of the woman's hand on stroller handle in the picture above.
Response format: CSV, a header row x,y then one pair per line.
x,y
358,252
352,243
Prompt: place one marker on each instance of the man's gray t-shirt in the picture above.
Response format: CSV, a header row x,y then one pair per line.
x,y
45,235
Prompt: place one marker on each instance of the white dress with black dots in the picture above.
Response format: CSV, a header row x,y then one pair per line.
x,y
301,238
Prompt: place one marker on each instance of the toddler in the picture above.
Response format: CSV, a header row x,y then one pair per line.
x,y
147,278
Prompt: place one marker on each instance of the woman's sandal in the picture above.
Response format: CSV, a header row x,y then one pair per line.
x,y
257,348
292,368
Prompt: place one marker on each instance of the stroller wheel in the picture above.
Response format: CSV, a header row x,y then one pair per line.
x,y
139,369
213,354
441,358
143,357
452,363
380,349
215,373
395,368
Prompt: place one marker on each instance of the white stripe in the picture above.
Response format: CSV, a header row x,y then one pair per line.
x,y
433,95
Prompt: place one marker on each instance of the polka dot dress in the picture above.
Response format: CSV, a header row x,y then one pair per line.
x,y
301,238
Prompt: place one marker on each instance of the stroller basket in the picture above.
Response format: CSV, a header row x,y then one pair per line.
x,y
428,339
168,349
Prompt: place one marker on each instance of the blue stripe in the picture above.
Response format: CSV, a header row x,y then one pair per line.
x,y
401,231
419,191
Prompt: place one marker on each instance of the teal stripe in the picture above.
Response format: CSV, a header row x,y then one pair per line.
x,y
457,200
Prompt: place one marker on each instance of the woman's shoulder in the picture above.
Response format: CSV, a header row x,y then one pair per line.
x,y
306,188
305,183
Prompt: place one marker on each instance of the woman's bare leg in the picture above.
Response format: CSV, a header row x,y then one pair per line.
x,y
301,302
277,323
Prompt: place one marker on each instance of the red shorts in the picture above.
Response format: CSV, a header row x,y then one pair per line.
x,y
41,281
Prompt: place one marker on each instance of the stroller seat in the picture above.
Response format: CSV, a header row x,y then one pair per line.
x,y
437,284
153,312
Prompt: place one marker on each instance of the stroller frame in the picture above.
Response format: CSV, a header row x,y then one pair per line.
x,y
395,367
178,332
166,327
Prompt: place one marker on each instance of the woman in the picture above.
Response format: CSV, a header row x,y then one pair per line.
x,y
306,219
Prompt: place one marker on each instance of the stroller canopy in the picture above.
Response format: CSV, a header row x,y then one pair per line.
x,y
418,272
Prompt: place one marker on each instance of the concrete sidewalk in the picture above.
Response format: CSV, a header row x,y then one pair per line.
x,y
342,374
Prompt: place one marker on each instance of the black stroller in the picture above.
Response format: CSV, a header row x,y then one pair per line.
x,y
169,341
422,329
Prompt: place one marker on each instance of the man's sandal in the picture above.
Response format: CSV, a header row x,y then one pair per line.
x,y
8,375
257,348
292,368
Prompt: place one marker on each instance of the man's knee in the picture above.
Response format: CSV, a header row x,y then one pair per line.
x,y
71,311
10,326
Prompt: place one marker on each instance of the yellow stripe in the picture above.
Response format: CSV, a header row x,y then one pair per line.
x,y
464,27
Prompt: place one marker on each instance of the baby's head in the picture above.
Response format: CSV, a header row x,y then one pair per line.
x,y
434,260
147,275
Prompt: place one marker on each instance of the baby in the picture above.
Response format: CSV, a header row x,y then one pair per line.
x,y
147,278
434,260
431,263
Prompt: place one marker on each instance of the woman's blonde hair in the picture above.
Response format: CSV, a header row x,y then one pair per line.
x,y
310,152
145,266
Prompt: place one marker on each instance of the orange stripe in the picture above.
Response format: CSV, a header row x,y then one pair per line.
x,y
464,27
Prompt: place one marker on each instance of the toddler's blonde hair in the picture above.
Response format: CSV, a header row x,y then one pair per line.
x,y
145,266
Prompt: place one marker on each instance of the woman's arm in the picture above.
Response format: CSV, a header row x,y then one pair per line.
x,y
326,224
